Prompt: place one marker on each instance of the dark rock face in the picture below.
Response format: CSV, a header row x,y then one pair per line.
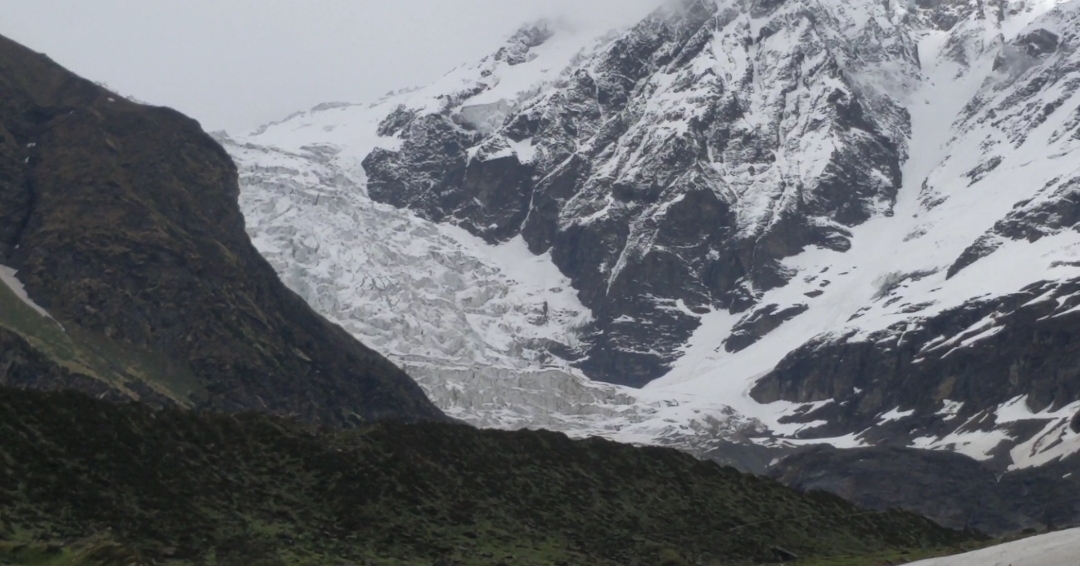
x,y
656,187
758,323
996,350
944,14
489,197
1039,43
517,49
122,222
1056,208
949,488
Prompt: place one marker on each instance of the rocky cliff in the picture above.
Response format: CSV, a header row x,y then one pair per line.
x,y
676,166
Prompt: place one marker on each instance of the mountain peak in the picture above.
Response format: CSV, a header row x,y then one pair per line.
x,y
516,50
749,205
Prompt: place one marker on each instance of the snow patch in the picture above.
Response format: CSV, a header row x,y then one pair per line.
x,y
7,277
1051,549
894,415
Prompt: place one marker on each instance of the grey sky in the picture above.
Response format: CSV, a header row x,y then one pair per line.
x,y
234,64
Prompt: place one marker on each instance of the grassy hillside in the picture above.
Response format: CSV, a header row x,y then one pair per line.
x,y
92,478
71,358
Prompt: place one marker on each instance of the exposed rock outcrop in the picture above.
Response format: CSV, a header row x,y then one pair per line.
x,y
949,488
675,166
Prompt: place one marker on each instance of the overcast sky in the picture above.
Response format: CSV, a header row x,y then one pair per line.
x,y
235,64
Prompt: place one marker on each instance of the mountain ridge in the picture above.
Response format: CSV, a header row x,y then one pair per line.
x,y
190,487
878,98
120,232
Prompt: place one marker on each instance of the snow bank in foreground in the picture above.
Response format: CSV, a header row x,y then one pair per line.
x,y
1054,549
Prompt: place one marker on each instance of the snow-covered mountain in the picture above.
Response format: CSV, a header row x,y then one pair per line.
x,y
783,222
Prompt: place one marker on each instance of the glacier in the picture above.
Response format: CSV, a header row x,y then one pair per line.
x,y
979,108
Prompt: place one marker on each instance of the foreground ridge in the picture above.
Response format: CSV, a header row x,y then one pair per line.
x,y
255,489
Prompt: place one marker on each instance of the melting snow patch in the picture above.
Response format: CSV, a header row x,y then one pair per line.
x,y
977,444
950,409
7,276
525,150
843,442
894,415
1055,440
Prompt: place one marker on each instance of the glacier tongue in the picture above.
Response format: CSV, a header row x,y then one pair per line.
x,y
415,289
980,108
474,324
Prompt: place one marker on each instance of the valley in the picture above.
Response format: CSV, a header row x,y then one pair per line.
x,y
744,282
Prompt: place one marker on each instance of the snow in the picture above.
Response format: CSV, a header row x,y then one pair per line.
x,y
524,149
973,444
550,60
894,415
466,318
950,409
1054,441
7,277
1052,549
848,441
940,154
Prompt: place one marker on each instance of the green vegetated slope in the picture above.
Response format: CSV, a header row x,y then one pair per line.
x,y
122,221
176,486
37,352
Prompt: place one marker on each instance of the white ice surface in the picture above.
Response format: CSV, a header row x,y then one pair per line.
x,y
1061,548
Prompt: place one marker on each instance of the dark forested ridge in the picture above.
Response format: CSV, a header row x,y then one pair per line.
x,y
191,487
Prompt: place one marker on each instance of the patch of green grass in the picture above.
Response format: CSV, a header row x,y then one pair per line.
x,y
85,553
85,353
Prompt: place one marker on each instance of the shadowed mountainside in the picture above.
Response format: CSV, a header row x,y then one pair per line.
x,y
954,490
122,222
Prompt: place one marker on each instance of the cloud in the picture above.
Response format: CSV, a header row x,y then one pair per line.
x,y
234,64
